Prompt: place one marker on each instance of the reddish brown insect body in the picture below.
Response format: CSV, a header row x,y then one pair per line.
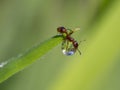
x,y
68,50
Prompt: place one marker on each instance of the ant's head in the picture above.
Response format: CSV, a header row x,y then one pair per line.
x,y
61,30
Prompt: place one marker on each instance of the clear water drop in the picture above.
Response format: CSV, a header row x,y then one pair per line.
x,y
68,52
67,48
3,64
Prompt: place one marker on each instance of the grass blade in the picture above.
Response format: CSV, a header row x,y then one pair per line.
x,y
16,64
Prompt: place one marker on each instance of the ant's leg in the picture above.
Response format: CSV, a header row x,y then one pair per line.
x,y
79,51
81,41
67,45
79,44
63,44
71,31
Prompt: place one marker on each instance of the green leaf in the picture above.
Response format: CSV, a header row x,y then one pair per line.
x,y
16,64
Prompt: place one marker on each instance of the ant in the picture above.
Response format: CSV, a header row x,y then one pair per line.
x,y
66,48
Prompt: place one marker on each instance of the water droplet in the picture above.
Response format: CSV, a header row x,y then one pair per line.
x,y
3,64
67,52
67,48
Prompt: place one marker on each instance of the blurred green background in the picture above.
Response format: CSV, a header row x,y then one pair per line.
x,y
24,23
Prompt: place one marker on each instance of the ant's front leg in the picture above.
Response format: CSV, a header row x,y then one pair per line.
x,y
70,31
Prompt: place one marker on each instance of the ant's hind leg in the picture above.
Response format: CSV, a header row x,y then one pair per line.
x,y
79,44
79,51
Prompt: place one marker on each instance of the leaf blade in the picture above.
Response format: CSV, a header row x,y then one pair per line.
x,y
16,64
